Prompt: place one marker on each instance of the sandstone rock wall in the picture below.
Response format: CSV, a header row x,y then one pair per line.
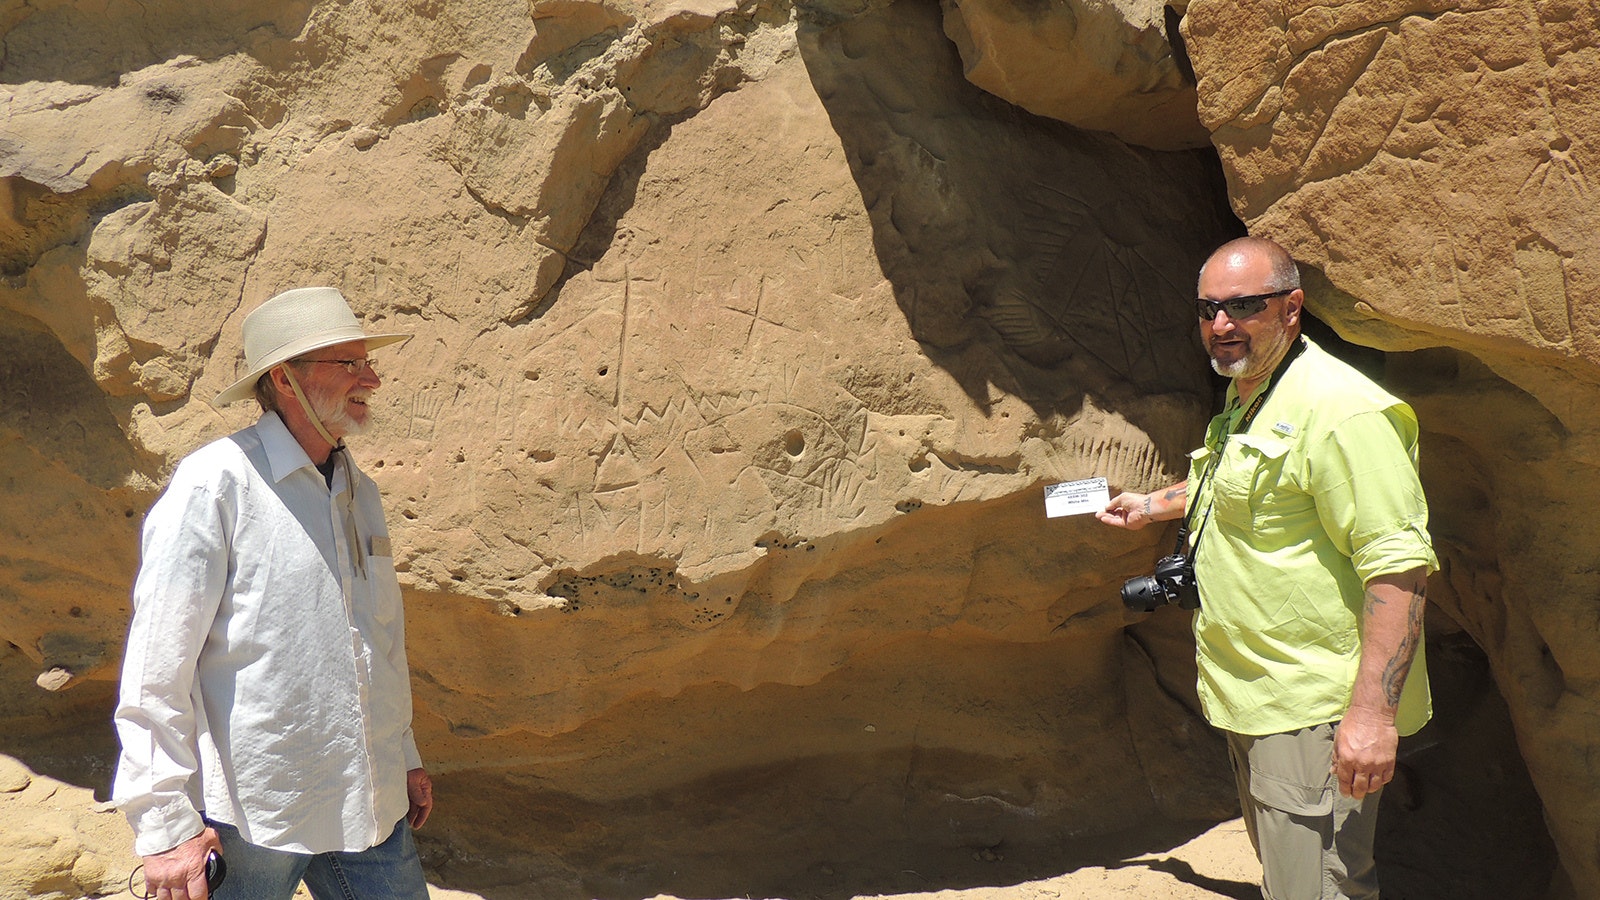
x,y
747,338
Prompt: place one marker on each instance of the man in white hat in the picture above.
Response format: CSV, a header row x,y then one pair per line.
x,y
265,711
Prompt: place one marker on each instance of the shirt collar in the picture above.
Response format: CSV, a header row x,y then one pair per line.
x,y
284,453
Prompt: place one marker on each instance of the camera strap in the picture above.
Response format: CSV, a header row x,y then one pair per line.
x,y
1295,349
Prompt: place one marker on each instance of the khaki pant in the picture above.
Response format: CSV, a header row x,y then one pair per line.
x,y
1314,842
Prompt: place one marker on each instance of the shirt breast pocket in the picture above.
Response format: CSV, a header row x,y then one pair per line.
x,y
387,604
1251,467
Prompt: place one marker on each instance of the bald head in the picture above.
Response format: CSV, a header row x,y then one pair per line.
x,y
1240,252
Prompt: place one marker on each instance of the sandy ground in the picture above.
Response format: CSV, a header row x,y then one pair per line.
x,y
1217,864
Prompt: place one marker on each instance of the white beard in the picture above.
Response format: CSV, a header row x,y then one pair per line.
x,y
331,410
1271,350
1231,370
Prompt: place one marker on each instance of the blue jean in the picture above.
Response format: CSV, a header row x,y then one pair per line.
x,y
390,871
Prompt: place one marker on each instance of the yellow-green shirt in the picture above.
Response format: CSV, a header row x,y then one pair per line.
x,y
1320,496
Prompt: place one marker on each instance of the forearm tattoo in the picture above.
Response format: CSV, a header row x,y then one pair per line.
x,y
1399,665
1171,496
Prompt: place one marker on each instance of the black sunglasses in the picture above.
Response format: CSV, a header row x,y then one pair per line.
x,y
1236,307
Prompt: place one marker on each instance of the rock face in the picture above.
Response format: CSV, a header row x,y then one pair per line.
x,y
48,858
747,336
1102,66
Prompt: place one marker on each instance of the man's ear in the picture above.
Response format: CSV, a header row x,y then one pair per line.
x,y
280,384
1292,306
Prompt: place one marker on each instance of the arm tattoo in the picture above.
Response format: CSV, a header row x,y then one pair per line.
x,y
1147,506
1399,665
1175,493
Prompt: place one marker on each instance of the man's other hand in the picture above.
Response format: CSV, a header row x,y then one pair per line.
x,y
1364,752
419,788
180,873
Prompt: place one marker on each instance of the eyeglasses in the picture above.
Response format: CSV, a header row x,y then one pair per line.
x,y
1236,307
353,366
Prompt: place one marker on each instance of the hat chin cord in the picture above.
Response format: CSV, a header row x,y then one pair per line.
x,y
353,533
305,405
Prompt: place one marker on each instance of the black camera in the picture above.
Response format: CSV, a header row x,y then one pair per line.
x,y
216,870
1173,582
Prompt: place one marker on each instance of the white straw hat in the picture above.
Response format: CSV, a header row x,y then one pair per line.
x,y
295,323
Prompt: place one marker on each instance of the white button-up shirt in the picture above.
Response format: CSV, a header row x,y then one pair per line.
x,y
265,681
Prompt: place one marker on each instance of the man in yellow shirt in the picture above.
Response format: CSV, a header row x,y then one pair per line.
x,y
1311,551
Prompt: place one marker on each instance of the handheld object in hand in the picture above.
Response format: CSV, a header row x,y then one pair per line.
x,y
216,870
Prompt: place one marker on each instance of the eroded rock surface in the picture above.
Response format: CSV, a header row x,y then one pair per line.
x,y
747,339
1117,67
748,336
69,847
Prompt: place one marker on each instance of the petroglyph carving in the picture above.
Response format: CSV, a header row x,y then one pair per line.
x,y
426,407
1542,288
1074,280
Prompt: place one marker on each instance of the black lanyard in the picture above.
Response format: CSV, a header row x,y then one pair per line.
x,y
1295,349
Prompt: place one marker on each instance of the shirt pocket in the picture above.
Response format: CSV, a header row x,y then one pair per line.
x,y
1293,772
1251,465
385,585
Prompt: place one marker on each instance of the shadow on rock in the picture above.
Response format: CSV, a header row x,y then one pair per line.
x,y
1049,262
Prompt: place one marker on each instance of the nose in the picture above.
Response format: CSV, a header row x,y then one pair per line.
x,y
1221,322
368,378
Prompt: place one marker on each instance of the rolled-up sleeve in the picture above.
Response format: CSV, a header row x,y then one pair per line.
x,y
182,575
1369,496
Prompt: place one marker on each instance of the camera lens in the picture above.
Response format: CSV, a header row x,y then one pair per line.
x,y
1143,594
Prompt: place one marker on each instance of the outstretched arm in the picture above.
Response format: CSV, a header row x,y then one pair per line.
x,y
1134,511
1364,751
